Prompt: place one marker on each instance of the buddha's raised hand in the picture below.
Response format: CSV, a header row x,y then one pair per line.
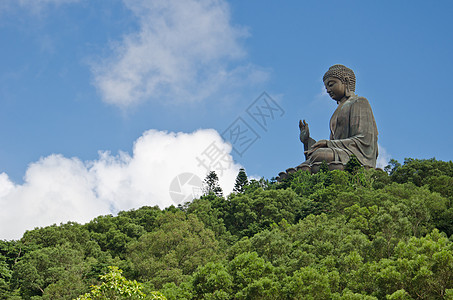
x,y
304,131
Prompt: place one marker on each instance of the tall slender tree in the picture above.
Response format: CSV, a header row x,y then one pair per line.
x,y
211,185
241,181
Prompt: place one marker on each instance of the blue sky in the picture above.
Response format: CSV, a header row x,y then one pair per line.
x,y
100,94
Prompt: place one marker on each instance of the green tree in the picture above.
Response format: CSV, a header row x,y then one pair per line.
x,y
212,281
5,276
308,283
114,233
249,213
324,167
50,271
392,166
70,233
422,267
418,170
241,181
183,291
262,184
353,165
144,216
115,286
211,185
253,277
209,210
173,251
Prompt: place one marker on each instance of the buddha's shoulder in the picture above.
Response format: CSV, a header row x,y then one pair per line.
x,y
359,100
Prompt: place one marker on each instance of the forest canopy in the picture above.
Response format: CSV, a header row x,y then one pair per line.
x,y
355,234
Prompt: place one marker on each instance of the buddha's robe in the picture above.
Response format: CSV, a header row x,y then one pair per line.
x,y
353,131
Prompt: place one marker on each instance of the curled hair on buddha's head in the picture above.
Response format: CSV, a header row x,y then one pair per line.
x,y
341,72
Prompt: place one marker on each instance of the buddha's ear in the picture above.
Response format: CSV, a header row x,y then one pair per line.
x,y
347,91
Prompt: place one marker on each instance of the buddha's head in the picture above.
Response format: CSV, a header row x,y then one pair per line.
x,y
339,82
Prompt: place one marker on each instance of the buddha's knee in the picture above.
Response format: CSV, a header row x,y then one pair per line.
x,y
323,154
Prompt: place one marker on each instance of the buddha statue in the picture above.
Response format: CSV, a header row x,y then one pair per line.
x,y
353,129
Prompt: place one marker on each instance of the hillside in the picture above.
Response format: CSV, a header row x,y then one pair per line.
x,y
356,234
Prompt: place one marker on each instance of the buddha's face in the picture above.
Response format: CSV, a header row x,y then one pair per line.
x,y
335,88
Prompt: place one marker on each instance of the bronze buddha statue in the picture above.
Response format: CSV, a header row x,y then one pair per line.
x,y
353,129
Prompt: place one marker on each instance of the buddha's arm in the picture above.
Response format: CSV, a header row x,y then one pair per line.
x,y
307,146
305,137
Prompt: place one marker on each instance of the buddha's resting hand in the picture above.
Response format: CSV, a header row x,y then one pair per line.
x,y
304,131
316,146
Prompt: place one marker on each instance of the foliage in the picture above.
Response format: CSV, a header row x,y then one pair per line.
x,y
211,185
241,181
353,165
356,234
212,281
47,271
5,275
174,250
115,286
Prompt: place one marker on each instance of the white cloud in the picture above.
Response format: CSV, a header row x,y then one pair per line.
x,y
59,189
185,50
383,157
